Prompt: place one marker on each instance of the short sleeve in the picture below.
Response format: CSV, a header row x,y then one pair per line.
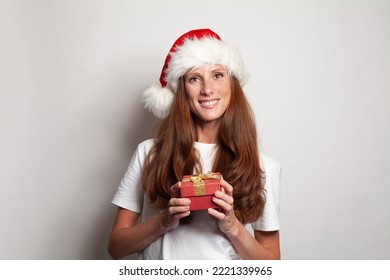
x,y
130,193
269,220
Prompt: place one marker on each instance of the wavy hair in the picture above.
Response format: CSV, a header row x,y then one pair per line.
x,y
237,157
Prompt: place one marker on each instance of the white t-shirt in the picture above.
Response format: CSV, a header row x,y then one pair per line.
x,y
201,238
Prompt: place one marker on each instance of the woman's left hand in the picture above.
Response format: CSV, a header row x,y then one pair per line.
x,y
227,220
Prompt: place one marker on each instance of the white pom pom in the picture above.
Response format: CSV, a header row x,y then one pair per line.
x,y
158,100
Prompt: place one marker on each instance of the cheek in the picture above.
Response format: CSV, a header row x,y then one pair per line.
x,y
190,100
228,97
191,95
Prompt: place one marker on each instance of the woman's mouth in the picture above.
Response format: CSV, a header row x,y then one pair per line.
x,y
208,104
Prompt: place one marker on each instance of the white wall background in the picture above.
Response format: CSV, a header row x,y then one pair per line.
x,y
71,73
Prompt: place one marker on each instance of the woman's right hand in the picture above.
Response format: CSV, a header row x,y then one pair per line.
x,y
128,236
177,209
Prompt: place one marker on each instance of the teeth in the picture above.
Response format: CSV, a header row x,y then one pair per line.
x,y
208,103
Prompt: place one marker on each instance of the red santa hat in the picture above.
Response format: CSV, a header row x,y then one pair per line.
x,y
192,50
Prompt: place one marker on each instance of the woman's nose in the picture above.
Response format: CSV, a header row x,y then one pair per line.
x,y
207,87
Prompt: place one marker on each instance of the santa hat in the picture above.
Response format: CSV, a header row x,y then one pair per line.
x,y
192,50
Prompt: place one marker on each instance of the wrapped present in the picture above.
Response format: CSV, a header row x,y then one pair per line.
x,y
200,189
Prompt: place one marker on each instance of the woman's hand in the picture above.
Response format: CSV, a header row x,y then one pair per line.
x,y
265,245
227,220
128,236
177,209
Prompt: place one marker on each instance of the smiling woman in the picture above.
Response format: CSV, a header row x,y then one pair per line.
x,y
207,125
208,91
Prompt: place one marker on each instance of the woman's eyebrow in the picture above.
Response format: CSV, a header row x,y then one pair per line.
x,y
218,69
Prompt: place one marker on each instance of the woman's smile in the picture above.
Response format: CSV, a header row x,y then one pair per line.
x,y
208,104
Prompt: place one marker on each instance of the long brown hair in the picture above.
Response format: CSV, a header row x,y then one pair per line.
x,y
237,157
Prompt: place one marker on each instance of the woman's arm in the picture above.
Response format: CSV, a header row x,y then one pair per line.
x,y
128,237
264,245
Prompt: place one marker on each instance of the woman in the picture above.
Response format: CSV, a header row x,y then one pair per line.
x,y
207,126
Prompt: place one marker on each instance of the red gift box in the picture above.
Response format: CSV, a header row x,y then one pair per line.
x,y
200,189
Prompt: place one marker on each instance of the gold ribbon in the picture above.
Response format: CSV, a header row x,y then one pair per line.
x,y
199,186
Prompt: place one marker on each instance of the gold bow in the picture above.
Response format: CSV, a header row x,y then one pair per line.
x,y
199,186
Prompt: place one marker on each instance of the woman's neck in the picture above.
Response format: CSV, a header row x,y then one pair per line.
x,y
207,132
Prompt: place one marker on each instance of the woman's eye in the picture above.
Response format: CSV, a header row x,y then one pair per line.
x,y
193,79
218,76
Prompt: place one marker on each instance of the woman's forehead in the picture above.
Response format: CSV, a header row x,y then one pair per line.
x,y
207,67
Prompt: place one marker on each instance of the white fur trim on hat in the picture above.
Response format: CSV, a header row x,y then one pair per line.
x,y
196,53
158,100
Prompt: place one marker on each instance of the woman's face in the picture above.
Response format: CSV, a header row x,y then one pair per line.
x,y
208,91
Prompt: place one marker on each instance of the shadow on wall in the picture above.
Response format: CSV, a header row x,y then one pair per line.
x,y
96,245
